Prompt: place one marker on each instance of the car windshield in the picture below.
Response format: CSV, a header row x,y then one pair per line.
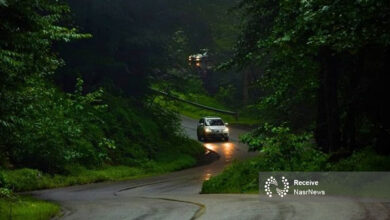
x,y
214,122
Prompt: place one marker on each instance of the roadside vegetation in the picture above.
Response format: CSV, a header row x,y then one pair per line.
x,y
242,177
23,207
320,71
76,105
283,151
26,179
13,206
245,118
76,113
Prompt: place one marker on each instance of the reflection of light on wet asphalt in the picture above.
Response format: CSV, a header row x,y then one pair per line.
x,y
207,176
228,151
228,144
212,147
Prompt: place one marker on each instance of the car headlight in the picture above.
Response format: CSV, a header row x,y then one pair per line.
x,y
207,130
226,130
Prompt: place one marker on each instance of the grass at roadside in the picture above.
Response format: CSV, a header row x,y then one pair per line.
x,y
196,112
30,179
242,177
13,206
27,208
239,177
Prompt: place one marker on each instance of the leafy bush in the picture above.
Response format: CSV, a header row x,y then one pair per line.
x,y
6,193
280,150
141,135
54,129
283,150
363,160
63,130
23,179
239,177
226,94
2,180
243,176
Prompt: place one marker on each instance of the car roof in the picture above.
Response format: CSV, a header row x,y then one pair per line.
x,y
211,117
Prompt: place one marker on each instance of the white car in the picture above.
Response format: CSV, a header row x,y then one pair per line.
x,y
212,127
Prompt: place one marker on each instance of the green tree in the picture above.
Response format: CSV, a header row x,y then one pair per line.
x,y
329,55
43,127
28,29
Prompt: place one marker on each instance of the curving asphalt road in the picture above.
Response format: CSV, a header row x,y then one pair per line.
x,y
176,196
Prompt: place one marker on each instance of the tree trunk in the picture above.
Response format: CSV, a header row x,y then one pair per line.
x,y
349,130
328,121
245,86
321,129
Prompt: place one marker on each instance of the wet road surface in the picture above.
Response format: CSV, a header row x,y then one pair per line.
x,y
176,196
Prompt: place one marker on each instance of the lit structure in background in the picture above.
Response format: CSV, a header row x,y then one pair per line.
x,y
202,63
200,60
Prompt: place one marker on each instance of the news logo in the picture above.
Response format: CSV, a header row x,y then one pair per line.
x,y
272,181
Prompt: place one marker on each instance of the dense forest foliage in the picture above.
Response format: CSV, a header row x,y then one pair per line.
x,y
139,43
320,69
70,98
75,79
